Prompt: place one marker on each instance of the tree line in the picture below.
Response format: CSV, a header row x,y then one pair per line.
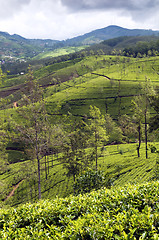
x,y
143,49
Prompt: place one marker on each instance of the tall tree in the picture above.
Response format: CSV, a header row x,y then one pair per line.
x,y
138,118
98,135
148,91
114,132
32,124
141,106
128,128
75,156
154,121
3,143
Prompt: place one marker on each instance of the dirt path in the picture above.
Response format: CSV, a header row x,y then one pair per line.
x,y
14,188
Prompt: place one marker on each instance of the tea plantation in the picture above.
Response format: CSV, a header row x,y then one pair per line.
x,y
127,207
130,212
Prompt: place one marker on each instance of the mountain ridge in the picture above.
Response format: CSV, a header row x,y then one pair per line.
x,y
20,47
113,31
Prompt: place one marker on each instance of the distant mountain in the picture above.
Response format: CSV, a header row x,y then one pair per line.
x,y
109,32
16,47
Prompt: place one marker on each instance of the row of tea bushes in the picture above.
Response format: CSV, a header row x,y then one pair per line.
x,y
130,212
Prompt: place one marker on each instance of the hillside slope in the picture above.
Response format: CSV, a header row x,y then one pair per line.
x,y
119,163
15,46
108,82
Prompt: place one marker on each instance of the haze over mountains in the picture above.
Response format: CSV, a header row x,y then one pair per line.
x,y
17,46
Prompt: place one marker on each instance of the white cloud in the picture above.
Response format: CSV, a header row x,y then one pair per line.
x,y
62,19
10,7
130,5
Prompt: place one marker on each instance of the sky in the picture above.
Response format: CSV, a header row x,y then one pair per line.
x,y
63,19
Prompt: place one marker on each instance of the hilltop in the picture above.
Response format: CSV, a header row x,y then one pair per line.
x,y
109,32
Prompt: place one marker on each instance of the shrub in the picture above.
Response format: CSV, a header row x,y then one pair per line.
x,y
153,148
89,180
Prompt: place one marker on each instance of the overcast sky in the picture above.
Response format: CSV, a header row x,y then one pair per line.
x,y
62,19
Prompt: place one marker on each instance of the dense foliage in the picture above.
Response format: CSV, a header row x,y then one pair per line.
x,y
131,212
143,49
88,180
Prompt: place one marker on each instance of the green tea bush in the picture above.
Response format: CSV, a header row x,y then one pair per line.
x,y
89,180
130,212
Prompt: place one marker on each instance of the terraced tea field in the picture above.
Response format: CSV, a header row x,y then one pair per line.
x,y
119,162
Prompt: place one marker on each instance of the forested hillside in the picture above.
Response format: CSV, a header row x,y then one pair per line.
x,y
135,46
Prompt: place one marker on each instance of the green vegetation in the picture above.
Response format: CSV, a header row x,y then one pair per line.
x,y
59,52
107,82
119,163
130,212
88,180
76,123
70,87
17,52
16,48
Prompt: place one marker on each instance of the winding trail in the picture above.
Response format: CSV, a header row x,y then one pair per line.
x,y
14,188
